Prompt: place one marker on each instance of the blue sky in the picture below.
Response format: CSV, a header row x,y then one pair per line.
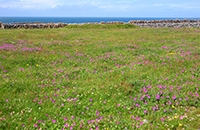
x,y
101,8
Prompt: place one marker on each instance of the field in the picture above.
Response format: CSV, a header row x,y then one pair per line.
x,y
100,77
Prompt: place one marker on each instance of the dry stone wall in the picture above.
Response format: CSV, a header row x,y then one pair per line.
x,y
166,23
32,25
140,23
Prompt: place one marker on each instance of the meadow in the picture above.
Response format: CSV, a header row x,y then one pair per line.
x,y
100,77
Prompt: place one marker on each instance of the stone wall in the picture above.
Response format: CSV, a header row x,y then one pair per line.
x,y
166,23
32,25
140,23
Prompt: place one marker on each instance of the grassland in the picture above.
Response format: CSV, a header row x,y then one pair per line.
x,y
105,77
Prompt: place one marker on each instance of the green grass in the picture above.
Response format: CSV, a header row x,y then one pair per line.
x,y
100,77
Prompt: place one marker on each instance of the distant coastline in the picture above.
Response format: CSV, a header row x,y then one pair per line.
x,y
78,20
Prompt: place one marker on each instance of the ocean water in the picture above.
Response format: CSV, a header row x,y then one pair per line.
x,y
75,19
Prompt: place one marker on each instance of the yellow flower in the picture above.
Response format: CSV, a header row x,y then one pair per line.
x,y
37,65
171,53
175,117
173,106
180,125
27,64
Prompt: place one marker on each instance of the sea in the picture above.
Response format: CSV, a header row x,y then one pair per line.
x,y
78,20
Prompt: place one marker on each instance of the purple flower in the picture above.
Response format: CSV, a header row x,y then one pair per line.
x,y
137,118
148,87
137,105
101,117
35,125
142,97
53,121
144,90
158,97
145,111
97,113
174,97
160,86
72,117
154,108
66,125
148,96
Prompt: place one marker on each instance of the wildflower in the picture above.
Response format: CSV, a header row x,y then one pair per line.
x,y
173,106
174,97
35,125
137,118
97,113
145,121
145,90
145,111
180,125
162,119
148,96
66,125
158,97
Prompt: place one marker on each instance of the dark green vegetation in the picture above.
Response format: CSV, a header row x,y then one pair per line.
x,y
100,77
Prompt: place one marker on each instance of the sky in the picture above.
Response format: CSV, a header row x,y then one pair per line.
x,y
100,8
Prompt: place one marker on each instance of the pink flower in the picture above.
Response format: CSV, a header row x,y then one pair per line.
x,y
97,113
66,125
137,118
144,90
145,111
174,97
158,97
53,121
35,125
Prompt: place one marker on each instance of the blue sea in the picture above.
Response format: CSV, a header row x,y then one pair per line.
x,y
77,20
